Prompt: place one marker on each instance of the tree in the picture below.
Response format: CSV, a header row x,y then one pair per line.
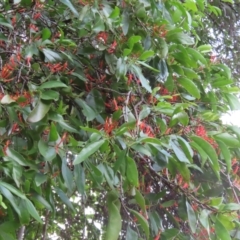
x,y
110,123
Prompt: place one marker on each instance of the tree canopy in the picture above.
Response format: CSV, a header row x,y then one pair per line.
x,y
110,121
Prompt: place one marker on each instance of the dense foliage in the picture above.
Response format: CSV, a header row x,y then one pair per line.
x,y
110,122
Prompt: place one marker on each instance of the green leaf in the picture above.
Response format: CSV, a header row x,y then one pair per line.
x,y
87,111
162,67
5,23
114,221
179,152
79,176
228,139
67,176
32,210
39,112
140,201
185,147
192,220
115,13
8,195
144,113
132,172
50,55
64,198
17,157
53,84
143,80
132,40
40,179
203,218
46,34
209,150
131,235
125,22
88,151
232,101
50,95
189,86
142,221
70,6
179,37
205,48
12,189
221,231
197,56
41,200
226,155
53,134
231,207
145,55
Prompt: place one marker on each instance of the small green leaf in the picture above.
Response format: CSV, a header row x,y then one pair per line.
x,y
53,134
50,55
140,201
115,13
132,172
209,150
70,6
192,220
144,113
125,22
53,84
79,176
226,155
88,151
46,34
179,152
32,210
143,80
231,207
39,112
64,198
189,86
132,40
142,221
88,112
50,95
147,54
205,48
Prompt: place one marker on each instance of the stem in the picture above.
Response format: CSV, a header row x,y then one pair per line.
x,y
21,233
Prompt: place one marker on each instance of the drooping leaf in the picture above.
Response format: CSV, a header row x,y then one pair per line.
x,y
88,151
192,220
39,112
132,172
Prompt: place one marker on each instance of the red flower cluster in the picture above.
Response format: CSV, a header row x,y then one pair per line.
x,y
102,37
146,129
57,67
109,125
201,132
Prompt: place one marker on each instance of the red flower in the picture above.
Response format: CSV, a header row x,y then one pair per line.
x,y
112,47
